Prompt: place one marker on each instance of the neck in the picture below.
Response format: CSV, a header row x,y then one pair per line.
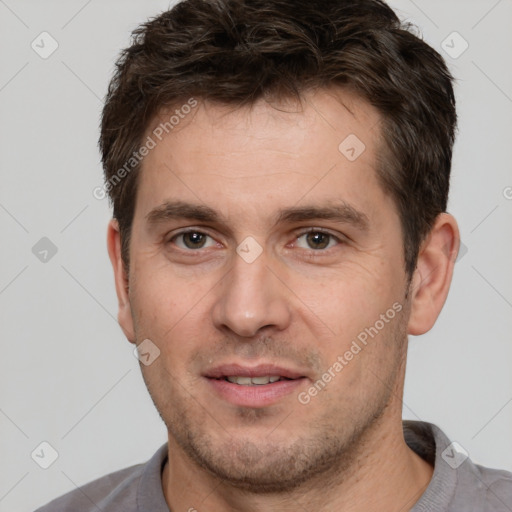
x,y
385,475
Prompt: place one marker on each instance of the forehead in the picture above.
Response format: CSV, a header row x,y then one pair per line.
x,y
265,156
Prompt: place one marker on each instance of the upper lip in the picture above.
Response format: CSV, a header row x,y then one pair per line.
x,y
261,370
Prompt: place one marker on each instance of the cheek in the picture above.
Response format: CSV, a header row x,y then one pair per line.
x,y
165,293
351,296
173,312
363,312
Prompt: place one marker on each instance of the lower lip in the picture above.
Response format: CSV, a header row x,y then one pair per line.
x,y
256,395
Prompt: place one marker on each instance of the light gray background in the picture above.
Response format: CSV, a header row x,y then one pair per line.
x,y
68,376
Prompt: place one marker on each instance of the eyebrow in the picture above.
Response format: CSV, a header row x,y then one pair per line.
x,y
341,212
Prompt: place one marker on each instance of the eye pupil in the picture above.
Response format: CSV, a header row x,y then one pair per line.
x,y
317,240
193,240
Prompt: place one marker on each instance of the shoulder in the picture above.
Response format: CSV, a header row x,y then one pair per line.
x,y
118,488
477,487
493,485
115,492
458,483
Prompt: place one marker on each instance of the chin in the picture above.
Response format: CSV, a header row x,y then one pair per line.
x,y
264,467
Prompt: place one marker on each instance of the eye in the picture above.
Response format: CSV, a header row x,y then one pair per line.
x,y
192,240
317,240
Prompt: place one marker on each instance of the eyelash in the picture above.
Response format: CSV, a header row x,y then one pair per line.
x,y
323,232
296,237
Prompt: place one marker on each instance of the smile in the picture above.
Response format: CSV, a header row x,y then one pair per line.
x,y
254,386
254,381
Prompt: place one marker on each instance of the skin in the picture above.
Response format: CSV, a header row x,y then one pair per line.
x,y
299,304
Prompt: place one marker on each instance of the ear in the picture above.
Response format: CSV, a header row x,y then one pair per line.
x,y
124,314
433,275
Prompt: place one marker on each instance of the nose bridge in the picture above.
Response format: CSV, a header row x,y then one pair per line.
x,y
251,297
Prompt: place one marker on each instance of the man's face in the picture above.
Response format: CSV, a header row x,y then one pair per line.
x,y
290,302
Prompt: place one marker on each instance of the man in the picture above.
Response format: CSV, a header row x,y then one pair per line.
x,y
279,172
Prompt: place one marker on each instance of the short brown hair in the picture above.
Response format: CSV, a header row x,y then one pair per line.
x,y
238,51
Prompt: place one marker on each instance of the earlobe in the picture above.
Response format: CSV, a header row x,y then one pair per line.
x,y
124,314
433,275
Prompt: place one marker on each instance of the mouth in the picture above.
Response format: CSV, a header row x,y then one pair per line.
x,y
256,386
254,381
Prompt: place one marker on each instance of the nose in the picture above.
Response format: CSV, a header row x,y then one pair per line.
x,y
251,297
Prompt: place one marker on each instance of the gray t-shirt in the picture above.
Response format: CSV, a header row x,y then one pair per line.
x,y
457,485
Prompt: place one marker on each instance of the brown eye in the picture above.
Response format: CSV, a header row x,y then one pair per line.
x,y
192,240
316,240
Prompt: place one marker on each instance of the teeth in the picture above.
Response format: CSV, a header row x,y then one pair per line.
x,y
260,380
243,381
248,381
